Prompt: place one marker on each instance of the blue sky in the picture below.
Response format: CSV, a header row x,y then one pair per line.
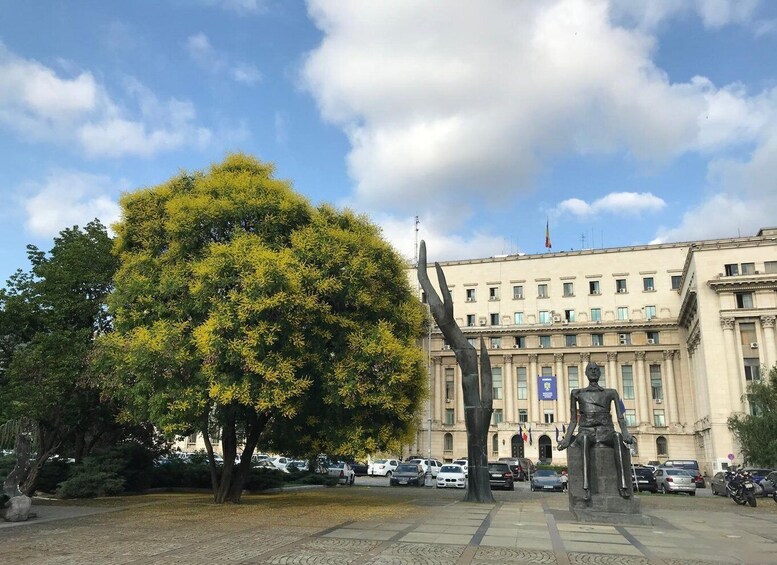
x,y
618,122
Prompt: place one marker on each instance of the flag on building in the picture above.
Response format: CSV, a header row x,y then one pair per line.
x,y
563,429
520,432
557,440
547,235
530,440
623,406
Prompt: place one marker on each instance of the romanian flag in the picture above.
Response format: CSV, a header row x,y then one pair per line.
x,y
547,235
530,440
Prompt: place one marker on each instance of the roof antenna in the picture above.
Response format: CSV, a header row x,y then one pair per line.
x,y
417,221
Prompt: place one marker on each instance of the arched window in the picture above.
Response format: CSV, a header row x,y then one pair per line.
x,y
448,442
546,449
661,446
495,443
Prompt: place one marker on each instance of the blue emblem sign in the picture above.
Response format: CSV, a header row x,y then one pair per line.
x,y
547,387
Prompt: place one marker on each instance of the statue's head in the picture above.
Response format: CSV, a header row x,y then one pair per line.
x,y
593,372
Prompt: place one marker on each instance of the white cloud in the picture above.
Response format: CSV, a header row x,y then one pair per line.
x,y
68,198
621,203
40,105
240,7
207,57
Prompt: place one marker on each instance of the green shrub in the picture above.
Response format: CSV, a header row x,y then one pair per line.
x,y
90,483
52,474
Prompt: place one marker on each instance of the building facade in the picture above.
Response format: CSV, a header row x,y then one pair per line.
x,y
679,330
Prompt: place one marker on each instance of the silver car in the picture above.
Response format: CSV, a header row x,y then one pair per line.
x,y
675,480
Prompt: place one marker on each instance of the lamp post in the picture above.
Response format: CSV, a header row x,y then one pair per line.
x,y
428,478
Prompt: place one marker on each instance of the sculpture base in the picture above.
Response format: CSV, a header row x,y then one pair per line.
x,y
605,504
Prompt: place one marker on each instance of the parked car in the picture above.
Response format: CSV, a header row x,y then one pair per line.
x,y
451,476
265,464
718,483
690,465
297,465
546,479
522,467
768,484
408,474
436,464
280,462
671,479
500,475
382,467
359,468
758,475
343,471
643,480
464,465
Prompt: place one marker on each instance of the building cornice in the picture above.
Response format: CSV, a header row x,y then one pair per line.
x,y
761,281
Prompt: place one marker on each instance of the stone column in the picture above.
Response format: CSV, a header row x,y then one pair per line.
x,y
734,381
767,323
642,390
560,387
508,381
459,396
612,373
439,389
671,389
534,394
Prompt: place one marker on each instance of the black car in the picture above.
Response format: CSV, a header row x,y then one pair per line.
x,y
643,480
718,483
408,474
500,475
359,468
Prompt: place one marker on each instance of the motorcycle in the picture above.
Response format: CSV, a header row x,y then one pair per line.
x,y
741,488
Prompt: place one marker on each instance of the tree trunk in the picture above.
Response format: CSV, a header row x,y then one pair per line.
x,y
228,452
254,427
49,442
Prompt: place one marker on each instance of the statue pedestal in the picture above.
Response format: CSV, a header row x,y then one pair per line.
x,y
606,504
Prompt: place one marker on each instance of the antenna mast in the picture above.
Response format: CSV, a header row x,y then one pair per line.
x,y
416,241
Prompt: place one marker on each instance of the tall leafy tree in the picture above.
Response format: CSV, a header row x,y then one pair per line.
x,y
757,432
242,310
49,318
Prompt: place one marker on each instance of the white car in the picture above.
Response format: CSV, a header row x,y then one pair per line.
x,y
451,476
280,462
343,471
464,465
382,467
423,462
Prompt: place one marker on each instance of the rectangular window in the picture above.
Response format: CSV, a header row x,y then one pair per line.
x,y
470,320
520,342
658,419
548,416
523,391
449,416
448,442
545,317
546,371
627,378
517,292
650,312
752,370
570,340
494,319
493,293
523,415
542,291
676,279
770,266
572,378
623,312
597,339
192,438
569,315
496,382
748,268
744,299
544,341
620,285
652,338
596,314
624,339
593,287
472,341
518,318
732,270
496,343
647,284
498,416
630,415
470,295
569,289
656,386
450,387
748,337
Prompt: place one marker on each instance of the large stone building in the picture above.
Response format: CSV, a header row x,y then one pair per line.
x,y
678,329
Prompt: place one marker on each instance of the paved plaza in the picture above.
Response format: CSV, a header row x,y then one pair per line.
x,y
365,525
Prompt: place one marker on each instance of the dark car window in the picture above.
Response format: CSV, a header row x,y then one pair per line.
x,y
545,473
498,468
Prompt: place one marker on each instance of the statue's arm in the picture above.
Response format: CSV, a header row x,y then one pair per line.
x,y
567,441
619,414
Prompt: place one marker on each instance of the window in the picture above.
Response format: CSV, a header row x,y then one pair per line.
x,y
470,320
630,415
496,382
658,419
423,297
650,312
523,415
545,317
495,444
593,287
472,341
732,270
192,438
517,292
744,299
470,295
624,339
498,416
449,384
572,378
542,291
523,392
520,342
620,285
627,378
448,442
662,449
548,416
495,319
449,416
752,370
596,314
647,284
569,315
623,312
546,371
569,289
518,318
748,268
493,293
544,341
652,338
496,343
676,281
655,382
770,266
570,340
597,339
747,335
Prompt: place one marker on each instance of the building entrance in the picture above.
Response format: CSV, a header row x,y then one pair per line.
x,y
516,446
546,449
